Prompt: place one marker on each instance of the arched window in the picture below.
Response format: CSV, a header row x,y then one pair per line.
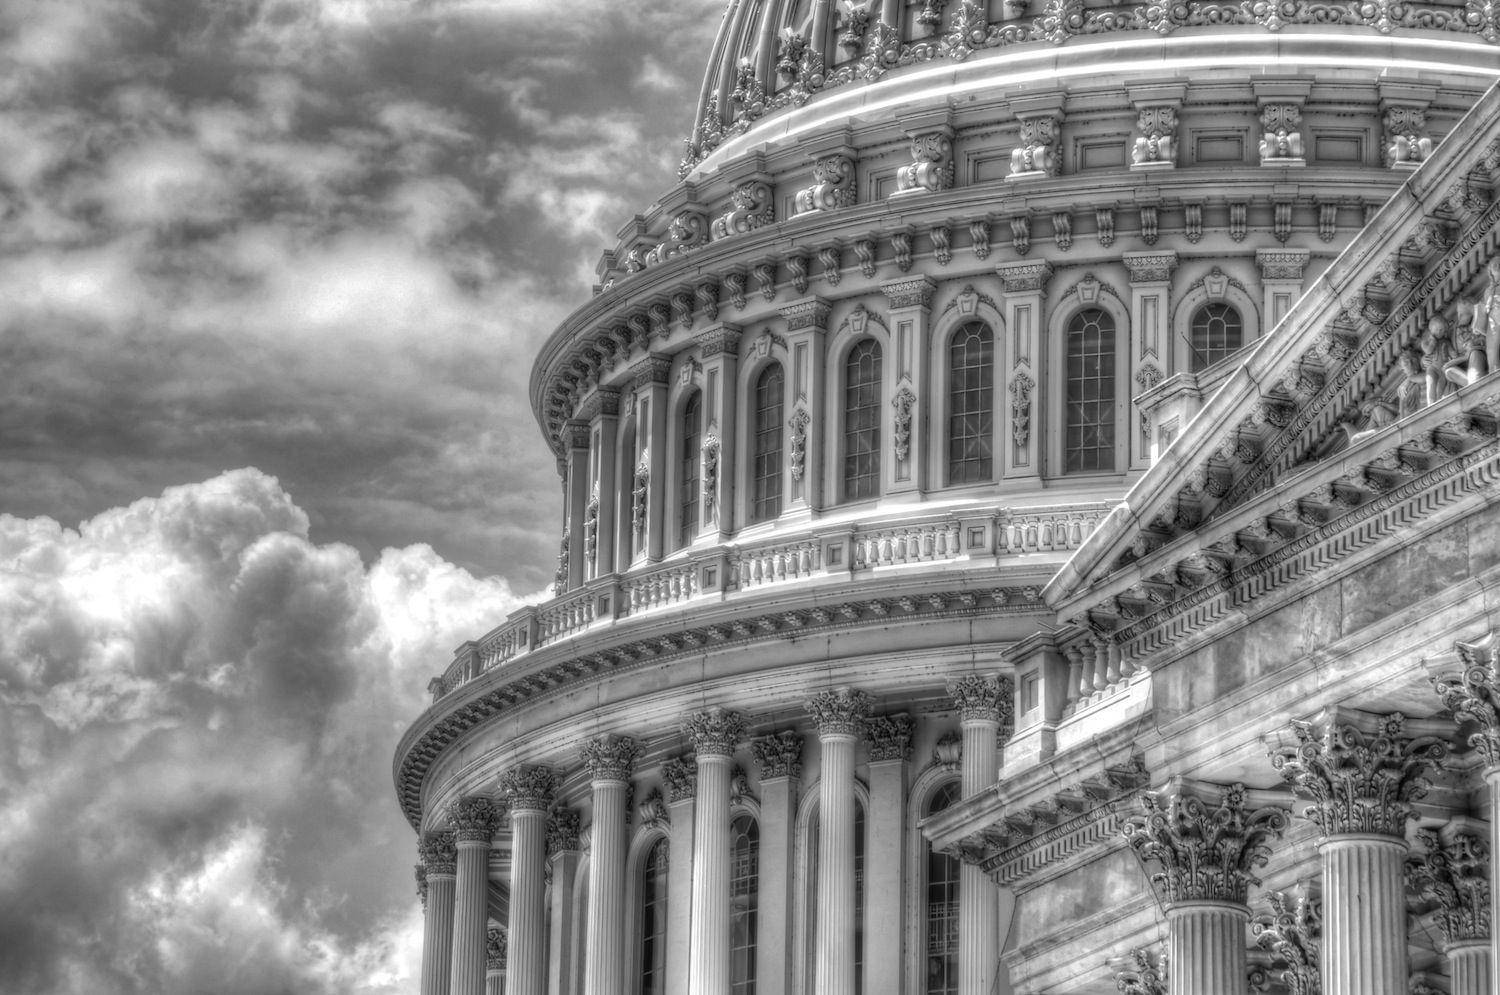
x,y
971,403
1216,331
942,907
862,421
654,920
687,493
744,898
859,895
1089,443
765,457
625,485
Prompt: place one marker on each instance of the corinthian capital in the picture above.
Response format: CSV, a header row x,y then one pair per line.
x,y
610,758
1205,854
421,873
439,853
1359,783
494,948
889,737
1292,933
984,699
475,819
530,788
562,832
1453,871
680,777
715,733
778,755
1474,695
840,712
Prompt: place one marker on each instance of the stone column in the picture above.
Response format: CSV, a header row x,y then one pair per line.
x,y
985,706
806,325
599,548
494,961
839,716
714,735
778,759
1025,320
719,348
1452,871
1151,344
563,858
889,738
439,861
1207,856
1362,779
474,822
904,456
529,790
679,778
608,761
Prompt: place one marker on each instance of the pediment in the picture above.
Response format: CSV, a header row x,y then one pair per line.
x,y
1344,367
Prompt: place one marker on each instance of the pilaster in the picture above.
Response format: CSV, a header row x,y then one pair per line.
x,y
719,350
889,739
806,325
649,499
1025,317
1281,273
778,759
570,572
1150,340
904,459
599,547
564,856
680,783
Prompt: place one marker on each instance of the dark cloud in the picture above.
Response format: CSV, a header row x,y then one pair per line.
x,y
197,711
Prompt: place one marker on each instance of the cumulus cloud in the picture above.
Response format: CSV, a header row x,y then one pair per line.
x,y
198,705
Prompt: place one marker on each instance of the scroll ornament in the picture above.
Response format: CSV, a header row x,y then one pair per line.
x,y
1021,386
904,402
797,453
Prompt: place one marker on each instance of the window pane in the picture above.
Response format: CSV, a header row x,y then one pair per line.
x,y
942,908
1217,331
971,397
765,502
744,897
654,921
1089,431
862,421
687,497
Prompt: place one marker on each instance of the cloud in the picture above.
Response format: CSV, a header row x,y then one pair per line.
x,y
198,705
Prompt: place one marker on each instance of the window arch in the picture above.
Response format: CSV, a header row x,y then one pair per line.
x,y
940,909
1089,437
653,919
862,376
766,446
744,896
971,403
1215,331
690,432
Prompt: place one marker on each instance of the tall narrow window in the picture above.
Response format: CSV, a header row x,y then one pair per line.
x,y
942,907
687,494
654,921
624,509
862,421
765,457
1217,331
971,403
1090,436
744,897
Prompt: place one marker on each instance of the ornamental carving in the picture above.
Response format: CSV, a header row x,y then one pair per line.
x,y
1037,153
1453,872
495,941
790,49
967,31
942,244
864,251
640,492
474,819
901,250
1474,695
654,814
839,712
1291,933
983,699
1157,143
1150,267
734,282
1143,974
751,206
715,732
810,313
680,778
889,737
1405,144
979,238
1205,854
530,788
711,447
420,873
1104,221
563,828
1018,278
1062,230
591,525
1282,264
764,273
439,853
1021,386
796,271
797,451
832,186
949,751
830,257
931,168
1281,135
904,403
560,577
1359,783
916,292
610,758
853,22
778,755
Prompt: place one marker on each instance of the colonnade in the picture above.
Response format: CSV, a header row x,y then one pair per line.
x,y
462,957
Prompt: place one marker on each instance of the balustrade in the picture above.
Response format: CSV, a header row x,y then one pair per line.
x,y
758,566
670,585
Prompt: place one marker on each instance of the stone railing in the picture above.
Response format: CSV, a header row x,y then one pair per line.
x,y
774,563
907,544
659,586
1046,530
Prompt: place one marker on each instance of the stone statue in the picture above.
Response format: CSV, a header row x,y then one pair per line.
x,y
1487,316
1375,414
1411,395
1436,352
1468,362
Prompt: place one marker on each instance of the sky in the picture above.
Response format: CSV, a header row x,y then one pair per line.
x,y
271,278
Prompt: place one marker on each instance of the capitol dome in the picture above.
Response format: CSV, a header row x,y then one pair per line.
x,y
1028,526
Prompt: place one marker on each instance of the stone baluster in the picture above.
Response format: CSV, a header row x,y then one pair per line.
x,y
494,961
530,791
475,820
778,760
1207,855
439,862
1362,784
714,735
608,760
1075,677
839,716
1452,870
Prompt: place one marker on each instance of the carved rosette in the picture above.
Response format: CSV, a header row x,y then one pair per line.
x,y
1454,873
1291,932
680,777
610,758
839,712
1359,783
889,737
1143,974
715,733
904,403
474,819
1474,695
529,788
983,699
1205,854
778,755
439,852
562,832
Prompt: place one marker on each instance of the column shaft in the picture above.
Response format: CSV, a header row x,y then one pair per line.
x,y
1364,916
437,935
834,930
978,902
494,983
470,917
563,968
526,965
708,953
1492,780
1207,948
778,806
1469,968
604,964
